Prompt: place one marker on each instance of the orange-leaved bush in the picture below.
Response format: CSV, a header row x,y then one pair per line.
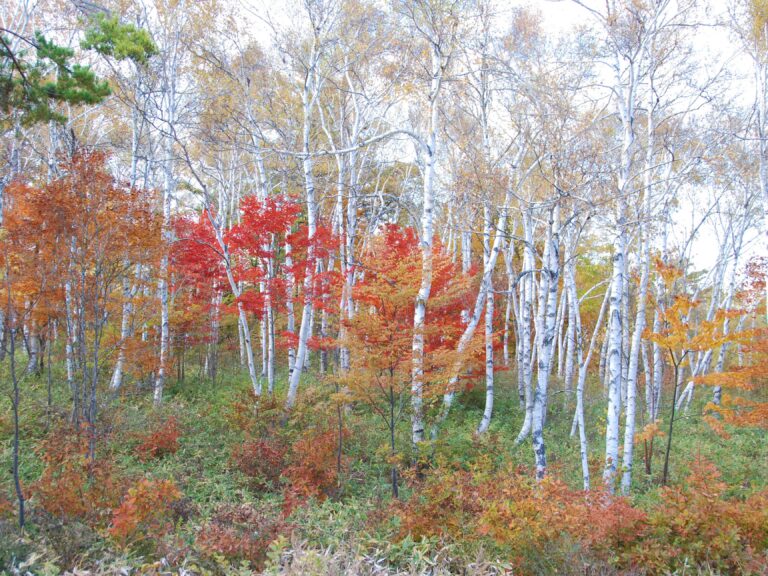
x,y
313,470
261,460
146,512
254,416
72,485
241,532
379,337
526,522
694,524
741,405
160,440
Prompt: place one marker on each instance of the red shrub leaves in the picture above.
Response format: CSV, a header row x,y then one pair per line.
x,y
161,440
72,486
241,532
145,511
693,525
313,469
261,460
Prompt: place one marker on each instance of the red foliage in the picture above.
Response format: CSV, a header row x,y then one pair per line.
x,y
161,440
196,255
261,460
693,525
260,221
241,532
145,513
313,469
72,486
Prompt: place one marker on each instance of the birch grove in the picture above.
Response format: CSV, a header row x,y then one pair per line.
x,y
562,223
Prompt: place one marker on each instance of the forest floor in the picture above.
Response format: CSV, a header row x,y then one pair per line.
x,y
257,489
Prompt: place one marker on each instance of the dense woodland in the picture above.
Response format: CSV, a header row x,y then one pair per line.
x,y
383,287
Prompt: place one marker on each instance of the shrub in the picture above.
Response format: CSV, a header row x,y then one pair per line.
x,y
69,542
256,416
261,461
72,485
241,532
145,513
541,527
313,471
161,440
694,524
7,506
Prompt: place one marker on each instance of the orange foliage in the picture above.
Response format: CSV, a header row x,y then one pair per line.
x,y
693,524
649,432
518,514
145,512
313,469
255,416
72,486
738,410
85,235
380,335
6,506
261,460
161,440
240,532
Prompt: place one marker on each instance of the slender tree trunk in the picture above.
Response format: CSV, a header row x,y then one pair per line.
x,y
603,362
629,427
255,382
559,335
489,265
761,77
125,331
570,340
489,301
614,359
392,450
625,328
270,326
546,337
308,96
575,316
290,281
645,263
527,350
427,218
676,365
33,360
212,357
15,405
168,191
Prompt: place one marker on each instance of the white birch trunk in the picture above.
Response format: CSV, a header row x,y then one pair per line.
x,y
489,264
614,360
527,350
168,191
307,98
485,422
634,357
575,317
427,225
546,340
